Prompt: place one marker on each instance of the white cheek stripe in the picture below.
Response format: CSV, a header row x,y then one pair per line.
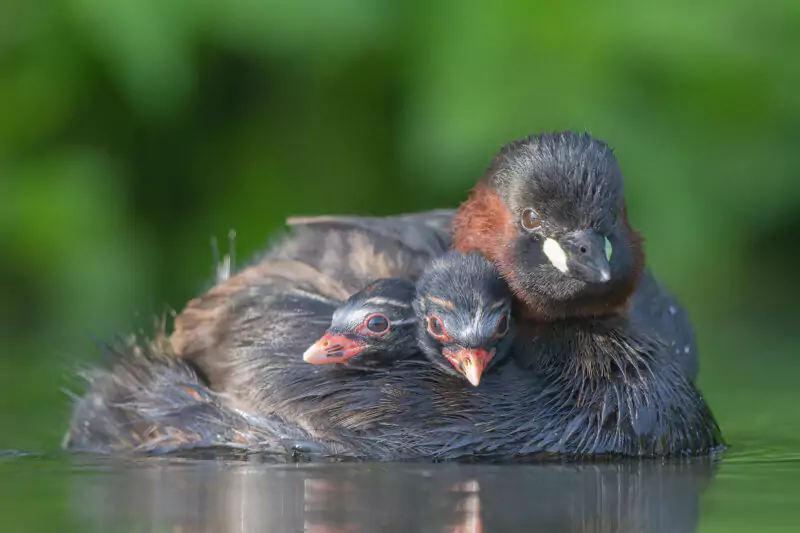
x,y
497,305
379,300
476,325
555,254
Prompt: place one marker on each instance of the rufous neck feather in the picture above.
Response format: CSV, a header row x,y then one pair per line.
x,y
484,224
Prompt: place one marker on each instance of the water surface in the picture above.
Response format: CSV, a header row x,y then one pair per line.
x,y
744,492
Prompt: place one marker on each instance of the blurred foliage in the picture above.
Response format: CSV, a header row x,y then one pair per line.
x,y
132,131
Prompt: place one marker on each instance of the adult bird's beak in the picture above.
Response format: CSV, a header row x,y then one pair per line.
x,y
331,348
469,362
582,255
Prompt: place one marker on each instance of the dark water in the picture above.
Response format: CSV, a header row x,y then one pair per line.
x,y
757,492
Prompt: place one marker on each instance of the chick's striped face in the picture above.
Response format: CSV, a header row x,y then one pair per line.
x,y
377,321
468,333
372,317
469,325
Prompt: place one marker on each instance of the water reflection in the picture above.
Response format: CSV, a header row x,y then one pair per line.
x,y
216,496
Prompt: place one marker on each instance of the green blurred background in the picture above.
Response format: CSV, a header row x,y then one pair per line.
x,y
133,131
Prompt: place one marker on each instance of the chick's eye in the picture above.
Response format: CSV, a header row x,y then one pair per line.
x,y
502,326
436,327
377,323
529,220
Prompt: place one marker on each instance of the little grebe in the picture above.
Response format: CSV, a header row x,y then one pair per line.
x,y
593,370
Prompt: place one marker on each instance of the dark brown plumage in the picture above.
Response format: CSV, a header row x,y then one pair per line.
x,y
586,378
149,401
551,213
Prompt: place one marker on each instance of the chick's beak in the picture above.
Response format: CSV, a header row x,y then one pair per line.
x,y
331,348
583,255
469,362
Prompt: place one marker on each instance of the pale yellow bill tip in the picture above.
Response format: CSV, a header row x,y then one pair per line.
x,y
472,374
315,354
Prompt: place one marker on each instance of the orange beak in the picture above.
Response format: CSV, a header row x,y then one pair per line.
x,y
332,348
470,363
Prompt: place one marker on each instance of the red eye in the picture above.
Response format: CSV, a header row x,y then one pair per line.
x,y
436,328
502,326
376,324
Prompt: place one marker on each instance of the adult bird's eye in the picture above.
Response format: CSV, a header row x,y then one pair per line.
x,y
502,326
436,327
529,220
377,323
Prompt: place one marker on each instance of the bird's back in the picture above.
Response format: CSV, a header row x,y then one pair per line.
x,y
247,335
